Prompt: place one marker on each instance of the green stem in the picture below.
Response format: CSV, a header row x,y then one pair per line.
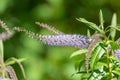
x,y
107,55
109,67
3,70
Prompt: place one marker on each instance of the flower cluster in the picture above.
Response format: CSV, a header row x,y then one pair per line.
x,y
75,40
117,53
98,46
5,35
67,40
50,28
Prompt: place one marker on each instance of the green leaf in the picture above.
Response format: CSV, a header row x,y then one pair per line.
x,y
101,20
117,27
96,55
114,20
80,65
88,33
85,76
115,59
78,53
113,24
90,24
114,45
11,62
116,72
1,52
102,64
1,49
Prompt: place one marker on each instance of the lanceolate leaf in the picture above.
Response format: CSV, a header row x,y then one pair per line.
x,y
88,33
96,55
11,62
1,52
85,76
117,27
102,64
116,72
79,58
90,24
113,24
101,20
79,52
114,45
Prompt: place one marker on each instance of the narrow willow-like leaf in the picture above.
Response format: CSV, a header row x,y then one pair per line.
x,y
80,65
101,20
50,28
79,56
96,55
90,24
79,52
116,72
117,27
88,33
114,45
85,76
1,52
113,24
102,64
11,62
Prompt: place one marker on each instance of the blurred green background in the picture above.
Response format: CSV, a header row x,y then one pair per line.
x,y
49,62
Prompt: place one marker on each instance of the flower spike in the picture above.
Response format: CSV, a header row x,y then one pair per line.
x,y
50,28
61,39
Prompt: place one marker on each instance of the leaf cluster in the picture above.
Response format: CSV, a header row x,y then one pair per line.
x,y
98,61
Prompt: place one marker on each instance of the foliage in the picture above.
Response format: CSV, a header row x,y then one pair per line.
x,y
59,13
101,61
102,48
6,70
